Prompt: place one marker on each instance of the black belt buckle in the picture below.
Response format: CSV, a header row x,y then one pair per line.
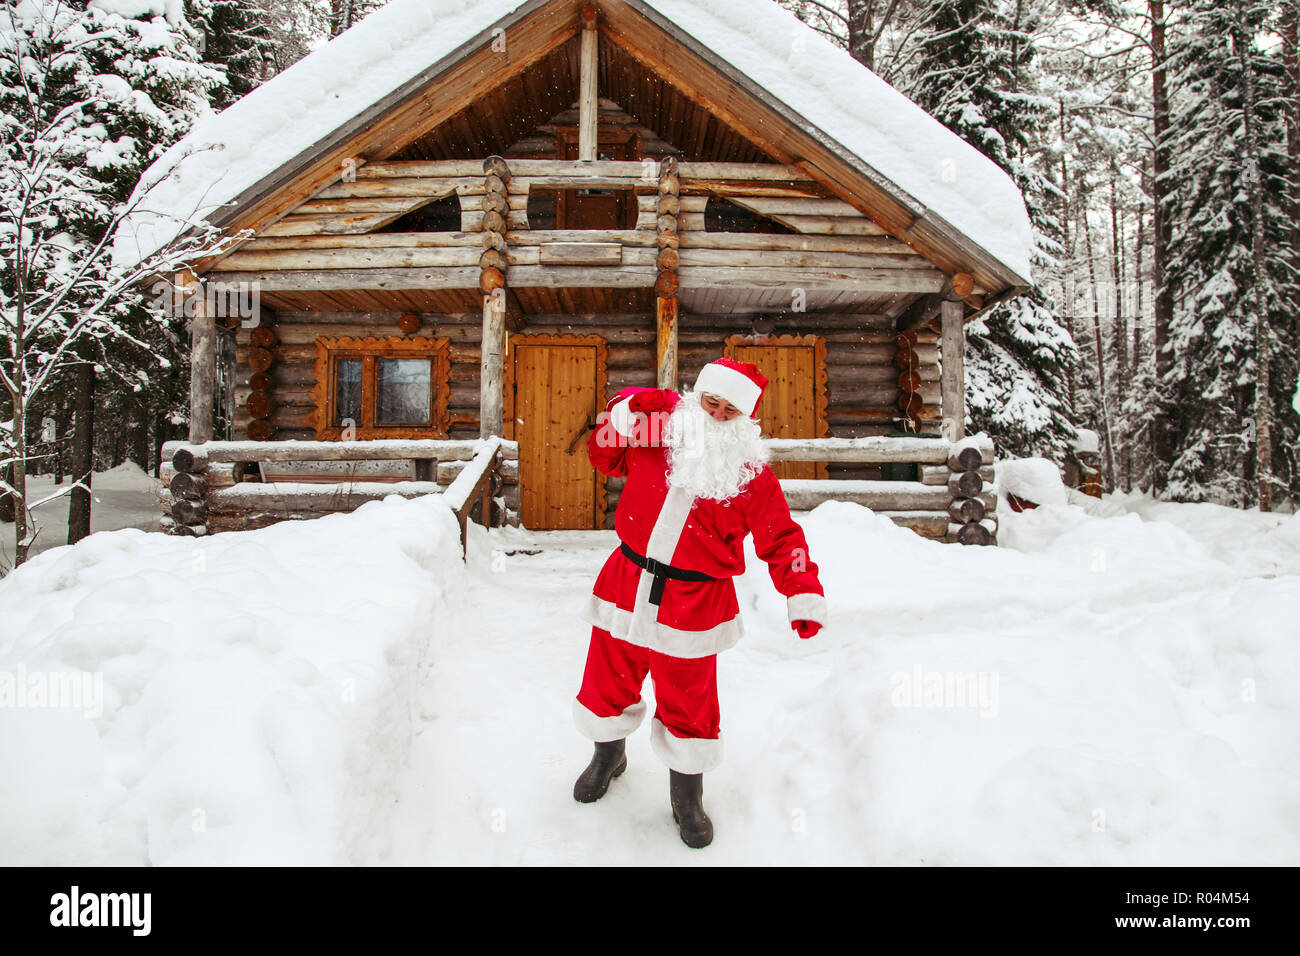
x,y
660,572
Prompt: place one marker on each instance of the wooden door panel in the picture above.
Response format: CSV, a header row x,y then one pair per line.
x,y
789,407
555,392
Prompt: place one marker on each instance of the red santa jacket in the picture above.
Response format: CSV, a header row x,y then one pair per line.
x,y
694,618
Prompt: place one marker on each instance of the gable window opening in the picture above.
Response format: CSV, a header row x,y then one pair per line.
x,y
723,215
438,215
582,208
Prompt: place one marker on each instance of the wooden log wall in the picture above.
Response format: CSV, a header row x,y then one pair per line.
x,y
971,509
200,496
863,380
834,247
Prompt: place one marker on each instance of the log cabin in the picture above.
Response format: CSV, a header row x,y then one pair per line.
x,y
460,222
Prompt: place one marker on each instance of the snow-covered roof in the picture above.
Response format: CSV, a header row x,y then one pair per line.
x,y
842,101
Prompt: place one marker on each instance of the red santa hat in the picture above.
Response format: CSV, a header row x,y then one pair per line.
x,y
740,383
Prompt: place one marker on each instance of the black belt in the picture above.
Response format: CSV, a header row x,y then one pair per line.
x,y
662,572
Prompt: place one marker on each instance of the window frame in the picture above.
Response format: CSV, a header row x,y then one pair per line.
x,y
370,350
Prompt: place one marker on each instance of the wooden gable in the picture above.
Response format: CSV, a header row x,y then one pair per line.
x,y
480,100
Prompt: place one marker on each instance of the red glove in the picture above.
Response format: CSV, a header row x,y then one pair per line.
x,y
806,629
652,400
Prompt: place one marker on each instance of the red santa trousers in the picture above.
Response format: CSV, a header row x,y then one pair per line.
x,y
684,732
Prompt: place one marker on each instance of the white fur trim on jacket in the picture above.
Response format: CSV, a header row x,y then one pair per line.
x,y
605,729
684,754
666,640
807,607
736,387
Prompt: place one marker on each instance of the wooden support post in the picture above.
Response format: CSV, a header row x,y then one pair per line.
x,y
952,373
203,358
587,105
492,283
666,341
666,281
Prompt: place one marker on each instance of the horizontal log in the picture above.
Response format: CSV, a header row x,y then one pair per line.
x,y
759,172
599,277
636,170
885,245
926,524
803,494
384,448
276,497
871,450
519,203
390,469
970,458
975,532
848,280
184,484
680,223
396,204
962,510
382,240
537,237
187,511
651,204
375,258
471,221
328,224
581,253
964,484
939,474
739,187
774,207
324,280
832,225
781,258
426,188
449,470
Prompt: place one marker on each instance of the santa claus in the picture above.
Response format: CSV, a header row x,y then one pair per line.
x,y
697,483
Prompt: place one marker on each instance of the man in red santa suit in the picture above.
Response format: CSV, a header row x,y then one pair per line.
x,y
697,483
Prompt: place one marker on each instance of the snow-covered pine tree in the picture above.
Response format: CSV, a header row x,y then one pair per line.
x,y
1100,81
234,35
88,97
344,13
1211,384
974,73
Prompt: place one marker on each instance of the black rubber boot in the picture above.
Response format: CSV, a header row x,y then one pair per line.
x,y
686,791
609,760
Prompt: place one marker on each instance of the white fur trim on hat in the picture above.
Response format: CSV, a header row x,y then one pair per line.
x,y
621,417
684,754
736,387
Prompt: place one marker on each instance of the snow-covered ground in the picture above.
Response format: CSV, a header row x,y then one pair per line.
x,y
1112,688
125,497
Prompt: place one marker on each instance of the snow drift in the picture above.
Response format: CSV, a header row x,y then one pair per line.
x,y
257,689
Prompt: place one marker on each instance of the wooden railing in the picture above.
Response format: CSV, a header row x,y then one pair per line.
x,y
949,502
473,487
239,485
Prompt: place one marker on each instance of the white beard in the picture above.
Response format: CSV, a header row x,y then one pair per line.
x,y
709,458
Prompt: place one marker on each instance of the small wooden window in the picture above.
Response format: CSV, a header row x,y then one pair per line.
x,y
381,388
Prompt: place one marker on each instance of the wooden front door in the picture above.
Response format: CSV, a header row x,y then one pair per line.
x,y
554,388
794,402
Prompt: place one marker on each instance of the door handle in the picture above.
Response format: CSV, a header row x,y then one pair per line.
x,y
591,423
